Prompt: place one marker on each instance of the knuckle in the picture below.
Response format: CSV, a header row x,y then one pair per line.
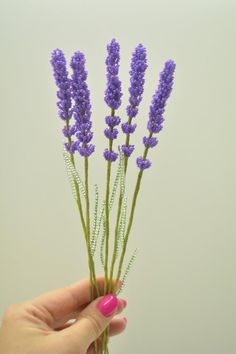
x,y
11,312
96,326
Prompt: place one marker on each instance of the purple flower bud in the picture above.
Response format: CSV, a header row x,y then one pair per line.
x,y
70,131
137,73
150,142
72,147
160,97
82,106
127,149
112,121
143,163
60,73
111,134
113,91
85,137
110,155
85,150
131,111
128,128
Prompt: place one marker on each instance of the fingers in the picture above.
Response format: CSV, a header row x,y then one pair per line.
x,y
70,319
62,303
93,320
117,326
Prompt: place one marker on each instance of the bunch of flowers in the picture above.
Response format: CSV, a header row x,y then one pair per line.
x,y
74,105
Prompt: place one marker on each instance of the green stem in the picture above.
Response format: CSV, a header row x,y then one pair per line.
x,y
118,214
79,204
107,214
136,191
91,262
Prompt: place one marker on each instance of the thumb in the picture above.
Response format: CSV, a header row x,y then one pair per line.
x,y
94,319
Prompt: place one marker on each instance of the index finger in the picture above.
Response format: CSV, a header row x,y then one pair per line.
x,y
61,302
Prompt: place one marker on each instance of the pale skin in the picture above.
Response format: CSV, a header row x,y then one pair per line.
x,y
42,325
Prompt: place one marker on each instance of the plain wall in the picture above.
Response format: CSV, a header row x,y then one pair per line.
x,y
181,291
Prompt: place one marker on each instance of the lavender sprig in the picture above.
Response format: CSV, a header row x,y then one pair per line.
x,y
82,115
82,106
137,73
154,125
64,103
112,98
157,109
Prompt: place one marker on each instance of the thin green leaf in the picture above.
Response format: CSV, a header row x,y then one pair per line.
x,y
102,242
115,185
122,173
70,177
95,219
72,172
122,224
98,227
131,261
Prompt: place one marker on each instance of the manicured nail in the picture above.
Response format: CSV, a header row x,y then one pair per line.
x,y
124,302
108,304
125,319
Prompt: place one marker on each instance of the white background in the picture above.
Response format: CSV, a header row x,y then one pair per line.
x,y
181,291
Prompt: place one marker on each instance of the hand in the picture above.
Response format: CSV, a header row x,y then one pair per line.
x,y
40,326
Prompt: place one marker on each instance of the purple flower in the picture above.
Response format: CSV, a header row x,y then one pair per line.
x,y
150,141
128,128
143,163
113,91
112,95
82,106
111,134
137,72
60,73
160,97
127,149
68,132
110,155
86,150
64,104
112,121
157,109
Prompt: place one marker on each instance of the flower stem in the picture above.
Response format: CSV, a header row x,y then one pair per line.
x,y
91,262
107,213
136,191
93,280
118,214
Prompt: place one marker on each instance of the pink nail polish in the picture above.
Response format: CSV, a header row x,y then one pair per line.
x,y
108,304
124,302
119,283
125,319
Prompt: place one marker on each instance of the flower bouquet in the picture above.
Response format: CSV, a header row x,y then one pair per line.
x,y
74,105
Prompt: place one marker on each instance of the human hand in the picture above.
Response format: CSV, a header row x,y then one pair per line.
x,y
40,325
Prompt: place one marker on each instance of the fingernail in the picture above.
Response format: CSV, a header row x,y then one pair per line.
x,y
108,304
125,319
124,302
119,283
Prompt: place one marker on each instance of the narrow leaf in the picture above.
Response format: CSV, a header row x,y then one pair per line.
x,y
74,173
122,224
98,227
131,261
115,185
95,220
102,242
